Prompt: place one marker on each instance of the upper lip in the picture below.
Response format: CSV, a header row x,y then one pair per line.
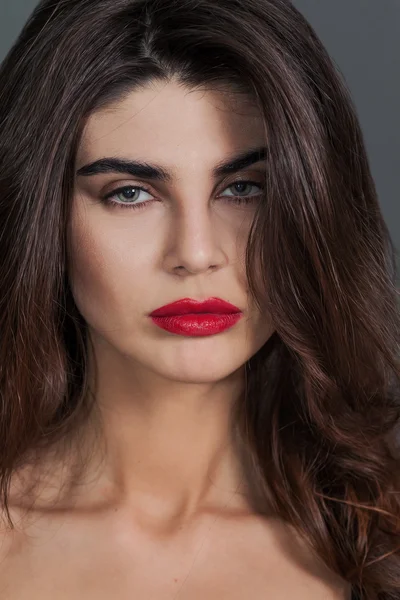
x,y
187,306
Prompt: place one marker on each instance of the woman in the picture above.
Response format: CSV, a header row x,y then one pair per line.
x,y
199,323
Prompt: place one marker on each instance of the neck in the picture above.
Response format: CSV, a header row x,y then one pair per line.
x,y
167,447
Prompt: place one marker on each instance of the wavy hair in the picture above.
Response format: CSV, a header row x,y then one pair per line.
x,y
320,412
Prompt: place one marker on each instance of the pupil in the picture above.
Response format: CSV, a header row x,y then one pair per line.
x,y
128,193
241,185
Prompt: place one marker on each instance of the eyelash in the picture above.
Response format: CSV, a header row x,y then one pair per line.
x,y
107,199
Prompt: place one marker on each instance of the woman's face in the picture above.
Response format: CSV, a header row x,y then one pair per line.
x,y
184,237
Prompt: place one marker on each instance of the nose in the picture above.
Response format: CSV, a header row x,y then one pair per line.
x,y
195,243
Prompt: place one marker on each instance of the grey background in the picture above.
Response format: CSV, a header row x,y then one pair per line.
x,y
363,38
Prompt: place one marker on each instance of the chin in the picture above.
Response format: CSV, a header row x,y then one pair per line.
x,y
207,369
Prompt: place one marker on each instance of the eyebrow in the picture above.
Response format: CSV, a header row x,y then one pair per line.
x,y
159,173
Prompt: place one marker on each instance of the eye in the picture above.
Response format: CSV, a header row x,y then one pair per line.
x,y
131,196
128,195
248,192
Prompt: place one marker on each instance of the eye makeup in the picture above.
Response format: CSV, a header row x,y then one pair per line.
x,y
109,198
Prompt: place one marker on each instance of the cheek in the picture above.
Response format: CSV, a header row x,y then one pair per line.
x,y
103,267
238,250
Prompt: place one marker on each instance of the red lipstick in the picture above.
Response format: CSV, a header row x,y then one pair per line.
x,y
195,318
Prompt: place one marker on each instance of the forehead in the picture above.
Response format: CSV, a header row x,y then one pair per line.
x,y
167,120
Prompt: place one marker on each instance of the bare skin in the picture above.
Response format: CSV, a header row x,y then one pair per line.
x,y
101,550
160,509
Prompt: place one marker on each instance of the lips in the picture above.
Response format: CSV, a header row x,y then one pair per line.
x,y
193,318
187,306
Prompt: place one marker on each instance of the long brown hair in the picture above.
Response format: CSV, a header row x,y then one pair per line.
x,y
320,412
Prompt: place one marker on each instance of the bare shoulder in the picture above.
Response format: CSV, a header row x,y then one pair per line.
x,y
236,558
291,568
10,546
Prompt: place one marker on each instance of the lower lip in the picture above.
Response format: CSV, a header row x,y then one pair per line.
x,y
197,324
